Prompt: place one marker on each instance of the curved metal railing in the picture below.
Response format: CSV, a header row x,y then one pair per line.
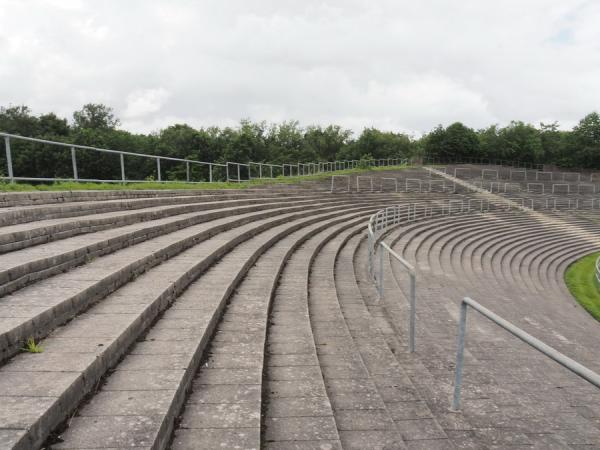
x,y
382,221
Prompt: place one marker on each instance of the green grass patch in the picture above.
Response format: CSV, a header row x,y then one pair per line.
x,y
581,281
152,185
32,347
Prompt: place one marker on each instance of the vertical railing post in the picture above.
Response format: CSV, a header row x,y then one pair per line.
x,y
260,170
187,171
9,165
210,173
122,158
370,262
381,250
158,169
238,173
413,303
74,163
271,167
460,356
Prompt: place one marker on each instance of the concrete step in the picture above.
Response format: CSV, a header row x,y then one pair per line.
x,y
368,324
15,237
25,266
78,354
24,214
205,299
492,385
360,373
299,412
35,310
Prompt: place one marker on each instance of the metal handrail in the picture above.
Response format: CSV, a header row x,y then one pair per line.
x,y
413,289
565,361
378,225
302,169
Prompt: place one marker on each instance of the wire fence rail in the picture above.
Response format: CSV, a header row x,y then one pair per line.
x,y
227,171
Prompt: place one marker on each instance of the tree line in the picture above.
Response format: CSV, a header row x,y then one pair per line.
x,y
287,142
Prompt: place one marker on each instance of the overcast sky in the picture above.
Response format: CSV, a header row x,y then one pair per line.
x,y
393,64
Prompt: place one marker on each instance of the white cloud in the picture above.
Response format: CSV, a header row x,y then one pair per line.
x,y
399,65
143,102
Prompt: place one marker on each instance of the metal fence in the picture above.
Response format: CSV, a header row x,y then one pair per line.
x,y
538,199
381,222
215,171
492,162
545,349
384,219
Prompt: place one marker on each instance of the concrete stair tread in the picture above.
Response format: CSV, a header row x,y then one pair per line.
x,y
50,302
14,237
154,349
121,335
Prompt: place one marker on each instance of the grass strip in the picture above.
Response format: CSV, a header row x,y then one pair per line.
x,y
580,277
6,186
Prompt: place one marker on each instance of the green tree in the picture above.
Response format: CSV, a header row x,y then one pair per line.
x,y
461,141
95,116
490,143
18,120
455,143
584,142
521,142
552,142
433,143
327,142
379,144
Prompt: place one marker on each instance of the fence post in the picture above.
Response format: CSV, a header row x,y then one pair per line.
x,y
381,250
9,159
370,242
158,168
74,162
238,173
460,356
271,167
413,302
123,167
187,171
210,173
259,170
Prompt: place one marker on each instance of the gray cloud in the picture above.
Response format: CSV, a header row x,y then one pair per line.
x,y
396,65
